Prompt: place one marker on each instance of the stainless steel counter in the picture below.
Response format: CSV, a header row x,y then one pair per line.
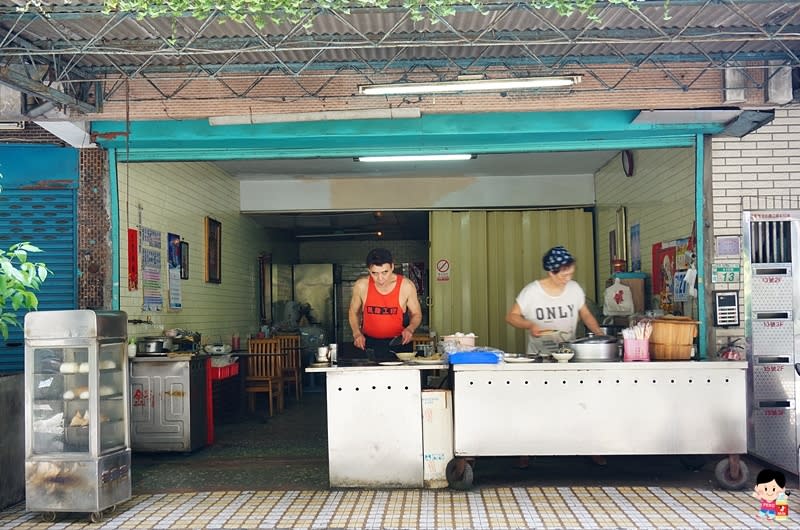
x,y
375,425
600,408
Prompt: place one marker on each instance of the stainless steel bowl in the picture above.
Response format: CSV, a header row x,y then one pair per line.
x,y
595,348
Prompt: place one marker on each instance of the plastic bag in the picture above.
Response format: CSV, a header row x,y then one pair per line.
x,y
618,300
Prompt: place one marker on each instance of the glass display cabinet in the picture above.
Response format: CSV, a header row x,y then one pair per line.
x,y
77,441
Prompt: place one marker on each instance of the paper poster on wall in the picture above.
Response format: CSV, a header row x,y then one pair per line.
x,y
664,270
681,257
174,270
151,269
680,288
133,259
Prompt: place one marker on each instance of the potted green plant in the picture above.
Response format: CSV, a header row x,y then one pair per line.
x,y
19,281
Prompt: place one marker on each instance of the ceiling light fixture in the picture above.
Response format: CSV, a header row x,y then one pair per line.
x,y
326,115
415,158
482,85
339,234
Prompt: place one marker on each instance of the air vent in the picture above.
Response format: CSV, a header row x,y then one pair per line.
x,y
770,242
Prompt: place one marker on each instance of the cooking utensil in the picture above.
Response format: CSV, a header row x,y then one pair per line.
x,y
595,348
150,345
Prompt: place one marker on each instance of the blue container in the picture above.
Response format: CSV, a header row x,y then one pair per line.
x,y
474,357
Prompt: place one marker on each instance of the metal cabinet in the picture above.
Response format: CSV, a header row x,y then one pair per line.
x,y
168,409
77,444
772,332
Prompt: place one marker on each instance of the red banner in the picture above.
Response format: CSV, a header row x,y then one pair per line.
x,y
133,259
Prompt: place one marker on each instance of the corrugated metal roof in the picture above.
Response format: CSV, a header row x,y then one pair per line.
x,y
81,43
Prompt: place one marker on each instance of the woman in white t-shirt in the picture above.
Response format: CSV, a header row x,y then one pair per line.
x,y
553,303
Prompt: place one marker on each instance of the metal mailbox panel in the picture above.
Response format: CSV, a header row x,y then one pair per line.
x,y
775,434
612,411
375,428
771,379
771,288
773,336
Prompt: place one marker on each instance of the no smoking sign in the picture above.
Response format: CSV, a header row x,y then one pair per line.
x,y
442,270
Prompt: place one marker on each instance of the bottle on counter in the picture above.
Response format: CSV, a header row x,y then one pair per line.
x,y
332,353
131,347
235,343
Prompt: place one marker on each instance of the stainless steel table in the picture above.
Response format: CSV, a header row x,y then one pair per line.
x,y
375,425
605,408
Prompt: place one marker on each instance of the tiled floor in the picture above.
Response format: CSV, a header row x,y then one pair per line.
x,y
485,508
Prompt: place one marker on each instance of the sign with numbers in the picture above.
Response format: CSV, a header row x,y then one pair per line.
x,y
726,273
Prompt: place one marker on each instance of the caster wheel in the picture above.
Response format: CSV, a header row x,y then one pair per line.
x,y
724,478
112,508
47,517
693,462
96,517
461,482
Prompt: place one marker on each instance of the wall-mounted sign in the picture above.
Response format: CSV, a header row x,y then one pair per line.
x,y
727,246
726,273
442,270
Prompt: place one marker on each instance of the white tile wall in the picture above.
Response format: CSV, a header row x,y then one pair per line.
x,y
176,197
759,171
659,197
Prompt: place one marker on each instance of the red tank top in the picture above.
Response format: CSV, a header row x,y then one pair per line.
x,y
382,315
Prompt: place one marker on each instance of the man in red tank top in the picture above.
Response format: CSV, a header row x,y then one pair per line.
x,y
378,305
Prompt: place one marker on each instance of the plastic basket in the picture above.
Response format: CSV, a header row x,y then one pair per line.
x,y
635,350
224,372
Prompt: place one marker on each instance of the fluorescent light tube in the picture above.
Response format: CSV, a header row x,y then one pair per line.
x,y
469,86
327,115
414,158
339,234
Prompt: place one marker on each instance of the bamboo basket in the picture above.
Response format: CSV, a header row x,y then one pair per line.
x,y
672,338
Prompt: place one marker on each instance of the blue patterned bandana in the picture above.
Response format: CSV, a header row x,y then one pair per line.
x,y
555,258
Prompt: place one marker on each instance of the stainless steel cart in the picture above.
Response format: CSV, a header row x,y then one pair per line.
x,y
77,444
603,408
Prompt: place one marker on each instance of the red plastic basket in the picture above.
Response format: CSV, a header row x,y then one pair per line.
x,y
224,372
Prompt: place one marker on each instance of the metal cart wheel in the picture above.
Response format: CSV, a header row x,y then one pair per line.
x,y
47,517
112,508
459,474
722,472
96,517
693,462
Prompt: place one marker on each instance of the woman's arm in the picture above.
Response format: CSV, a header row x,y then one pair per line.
x,y
515,318
589,321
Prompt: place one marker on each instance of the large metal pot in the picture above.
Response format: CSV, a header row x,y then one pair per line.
x,y
595,348
150,345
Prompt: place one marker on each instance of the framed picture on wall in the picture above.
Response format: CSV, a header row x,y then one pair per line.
x,y
612,250
213,232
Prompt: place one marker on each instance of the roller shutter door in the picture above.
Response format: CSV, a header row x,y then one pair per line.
x,y
47,219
